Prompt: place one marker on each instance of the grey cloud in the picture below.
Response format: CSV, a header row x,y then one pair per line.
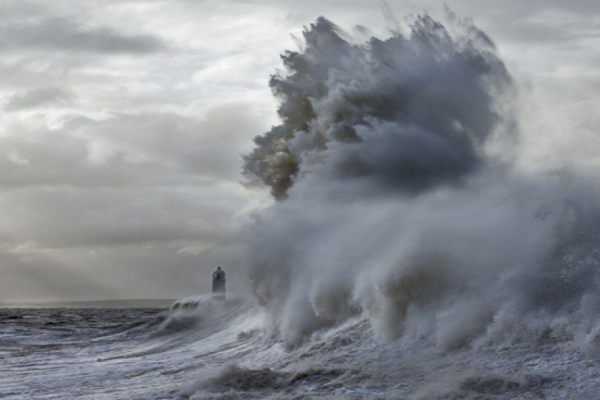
x,y
108,217
508,21
64,35
155,179
549,26
575,6
57,158
208,148
488,6
147,150
38,97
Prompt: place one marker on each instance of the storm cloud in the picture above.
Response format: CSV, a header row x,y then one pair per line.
x,y
60,34
38,97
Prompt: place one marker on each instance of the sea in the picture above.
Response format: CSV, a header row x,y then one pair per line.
x,y
202,348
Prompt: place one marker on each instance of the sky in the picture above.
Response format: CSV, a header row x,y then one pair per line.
x,y
123,124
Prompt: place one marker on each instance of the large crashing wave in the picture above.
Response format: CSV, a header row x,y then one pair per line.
x,y
394,199
409,113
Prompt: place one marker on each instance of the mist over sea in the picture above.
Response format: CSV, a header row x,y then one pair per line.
x,y
406,254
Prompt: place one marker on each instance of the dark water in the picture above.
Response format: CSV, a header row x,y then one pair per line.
x,y
74,319
225,350
43,349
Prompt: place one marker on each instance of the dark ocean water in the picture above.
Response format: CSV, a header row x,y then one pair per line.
x,y
224,350
74,319
41,348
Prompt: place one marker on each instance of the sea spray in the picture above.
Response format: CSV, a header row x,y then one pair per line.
x,y
407,112
395,201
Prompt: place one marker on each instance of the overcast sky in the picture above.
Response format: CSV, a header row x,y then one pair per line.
x,y
123,122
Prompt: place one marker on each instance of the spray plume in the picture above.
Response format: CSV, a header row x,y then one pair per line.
x,y
393,200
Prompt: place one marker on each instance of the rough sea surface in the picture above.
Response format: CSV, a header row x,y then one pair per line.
x,y
219,350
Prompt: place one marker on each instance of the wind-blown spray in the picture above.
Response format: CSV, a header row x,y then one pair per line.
x,y
394,200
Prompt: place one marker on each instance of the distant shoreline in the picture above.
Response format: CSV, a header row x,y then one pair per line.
x,y
129,303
